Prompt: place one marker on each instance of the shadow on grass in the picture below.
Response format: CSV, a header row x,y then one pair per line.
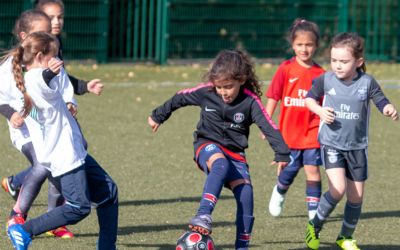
x,y
154,228
164,201
169,246
364,247
159,228
364,215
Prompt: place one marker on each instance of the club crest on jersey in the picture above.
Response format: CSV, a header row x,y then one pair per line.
x,y
238,117
332,155
362,93
210,147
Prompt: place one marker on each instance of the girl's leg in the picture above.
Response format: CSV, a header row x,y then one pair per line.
x,y
244,215
352,211
104,195
285,179
54,197
313,189
213,162
19,178
32,184
77,206
337,187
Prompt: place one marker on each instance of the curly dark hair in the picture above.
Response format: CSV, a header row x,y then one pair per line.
x,y
234,65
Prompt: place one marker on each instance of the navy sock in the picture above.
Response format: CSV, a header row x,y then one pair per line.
x,y
313,193
213,186
286,178
352,213
244,215
326,205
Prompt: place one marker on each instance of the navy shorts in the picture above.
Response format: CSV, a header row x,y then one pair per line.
x,y
355,162
238,169
301,157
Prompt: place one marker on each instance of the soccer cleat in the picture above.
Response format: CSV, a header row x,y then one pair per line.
x,y
312,237
19,237
6,184
276,202
16,219
61,232
347,243
201,224
311,214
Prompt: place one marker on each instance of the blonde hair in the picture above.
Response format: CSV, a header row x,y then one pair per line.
x,y
25,54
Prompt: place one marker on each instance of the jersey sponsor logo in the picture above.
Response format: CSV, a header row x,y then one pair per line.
x,y
331,92
210,110
210,147
293,102
235,125
292,80
346,114
238,117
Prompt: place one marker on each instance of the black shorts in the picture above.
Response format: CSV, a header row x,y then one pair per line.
x,y
355,162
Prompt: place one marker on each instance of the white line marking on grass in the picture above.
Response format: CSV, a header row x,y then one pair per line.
x,y
386,84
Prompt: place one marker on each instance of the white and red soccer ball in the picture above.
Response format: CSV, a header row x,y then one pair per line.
x,y
194,241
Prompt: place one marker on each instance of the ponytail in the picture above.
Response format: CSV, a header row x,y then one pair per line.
x,y
17,71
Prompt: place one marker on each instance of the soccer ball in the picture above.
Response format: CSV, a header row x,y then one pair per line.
x,y
194,241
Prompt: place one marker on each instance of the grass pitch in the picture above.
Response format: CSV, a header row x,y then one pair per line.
x,y
160,187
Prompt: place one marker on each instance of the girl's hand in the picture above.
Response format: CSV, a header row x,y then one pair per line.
x,y
390,111
154,125
72,109
55,65
280,166
327,115
16,120
95,86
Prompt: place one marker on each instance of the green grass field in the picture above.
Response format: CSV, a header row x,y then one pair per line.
x,y
160,186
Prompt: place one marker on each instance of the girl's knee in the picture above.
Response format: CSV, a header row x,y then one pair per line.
x,y
213,158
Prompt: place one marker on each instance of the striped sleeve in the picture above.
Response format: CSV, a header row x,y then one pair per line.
x,y
269,129
185,97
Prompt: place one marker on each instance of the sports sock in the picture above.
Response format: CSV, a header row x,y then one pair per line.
x,y
14,213
213,185
313,193
326,205
352,212
286,178
244,215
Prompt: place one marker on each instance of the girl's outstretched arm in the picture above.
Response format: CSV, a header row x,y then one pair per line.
x,y
390,111
95,86
154,125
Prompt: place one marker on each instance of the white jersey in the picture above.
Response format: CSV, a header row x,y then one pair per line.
x,y
55,134
10,95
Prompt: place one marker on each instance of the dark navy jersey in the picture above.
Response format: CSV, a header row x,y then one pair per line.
x,y
223,123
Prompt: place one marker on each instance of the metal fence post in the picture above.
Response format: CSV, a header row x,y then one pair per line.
x,y
343,15
164,31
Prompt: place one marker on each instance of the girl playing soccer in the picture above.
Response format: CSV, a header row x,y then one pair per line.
x,y
28,22
230,103
54,9
347,91
59,146
299,126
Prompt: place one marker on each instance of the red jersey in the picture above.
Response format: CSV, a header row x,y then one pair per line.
x,y
290,85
